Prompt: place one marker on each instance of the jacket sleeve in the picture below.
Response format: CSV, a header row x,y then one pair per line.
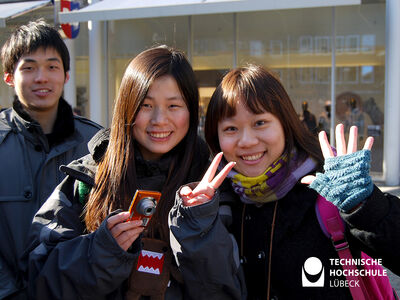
x,y
65,263
206,253
375,225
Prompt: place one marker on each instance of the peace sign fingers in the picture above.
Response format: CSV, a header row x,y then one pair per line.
x,y
209,175
209,183
217,181
205,190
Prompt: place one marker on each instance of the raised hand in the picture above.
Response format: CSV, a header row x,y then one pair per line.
x,y
205,190
346,181
341,149
124,232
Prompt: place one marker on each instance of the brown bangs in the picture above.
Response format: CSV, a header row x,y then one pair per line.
x,y
243,86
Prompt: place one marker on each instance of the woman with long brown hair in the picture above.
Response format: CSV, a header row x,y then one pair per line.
x,y
81,242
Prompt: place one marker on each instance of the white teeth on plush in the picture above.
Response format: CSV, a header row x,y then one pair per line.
x,y
159,135
149,270
152,254
252,157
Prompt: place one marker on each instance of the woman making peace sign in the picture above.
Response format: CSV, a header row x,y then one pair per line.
x,y
81,247
248,237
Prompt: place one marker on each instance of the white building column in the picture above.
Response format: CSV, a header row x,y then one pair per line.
x,y
391,164
70,86
96,69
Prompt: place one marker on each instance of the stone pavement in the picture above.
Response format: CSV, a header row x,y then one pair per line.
x,y
394,190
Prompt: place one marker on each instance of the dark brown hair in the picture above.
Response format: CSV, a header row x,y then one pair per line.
x,y
27,39
115,181
261,91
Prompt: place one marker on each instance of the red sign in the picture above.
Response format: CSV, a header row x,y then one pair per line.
x,y
70,30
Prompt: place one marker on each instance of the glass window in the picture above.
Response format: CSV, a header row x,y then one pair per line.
x,y
6,92
82,70
296,44
213,42
213,53
360,72
127,38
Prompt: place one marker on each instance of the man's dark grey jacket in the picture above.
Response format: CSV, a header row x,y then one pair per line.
x,y
30,162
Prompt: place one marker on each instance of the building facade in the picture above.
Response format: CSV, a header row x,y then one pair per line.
x,y
333,56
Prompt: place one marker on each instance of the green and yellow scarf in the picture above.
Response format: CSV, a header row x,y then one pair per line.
x,y
277,180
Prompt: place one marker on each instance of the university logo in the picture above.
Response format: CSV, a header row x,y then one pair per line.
x,y
312,273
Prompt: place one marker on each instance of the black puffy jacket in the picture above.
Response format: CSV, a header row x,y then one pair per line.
x,y
65,262
218,261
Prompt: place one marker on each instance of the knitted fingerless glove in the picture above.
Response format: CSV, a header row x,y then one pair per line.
x,y
346,181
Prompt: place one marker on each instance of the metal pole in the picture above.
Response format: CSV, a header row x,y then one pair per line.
x,y
55,13
391,162
105,77
70,86
190,40
95,72
235,33
333,79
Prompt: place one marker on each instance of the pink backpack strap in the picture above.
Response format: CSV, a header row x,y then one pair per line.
x,y
333,226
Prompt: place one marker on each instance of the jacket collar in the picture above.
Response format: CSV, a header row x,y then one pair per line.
x,y
63,127
147,168
85,169
98,144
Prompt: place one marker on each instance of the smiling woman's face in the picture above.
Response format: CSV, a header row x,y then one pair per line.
x,y
163,119
253,141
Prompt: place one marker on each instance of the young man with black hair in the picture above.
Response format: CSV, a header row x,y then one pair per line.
x,y
37,135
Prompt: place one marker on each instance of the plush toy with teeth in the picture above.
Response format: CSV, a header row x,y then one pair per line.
x,y
151,275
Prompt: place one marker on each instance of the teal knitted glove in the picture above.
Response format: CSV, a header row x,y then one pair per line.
x,y
346,181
